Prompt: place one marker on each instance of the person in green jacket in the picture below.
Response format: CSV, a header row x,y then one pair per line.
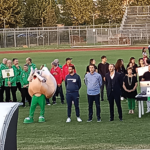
x,y
18,71
2,67
30,64
24,85
10,84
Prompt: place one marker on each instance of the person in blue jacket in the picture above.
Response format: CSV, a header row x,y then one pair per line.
x,y
73,84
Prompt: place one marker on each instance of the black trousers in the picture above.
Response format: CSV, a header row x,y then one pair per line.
x,y
1,95
73,97
102,89
18,86
149,51
2,92
13,92
47,101
111,99
95,98
59,90
25,95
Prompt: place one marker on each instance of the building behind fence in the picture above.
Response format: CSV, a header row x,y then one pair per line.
x,y
134,29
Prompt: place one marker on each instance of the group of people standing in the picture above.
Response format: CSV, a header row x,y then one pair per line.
x,y
120,83
18,81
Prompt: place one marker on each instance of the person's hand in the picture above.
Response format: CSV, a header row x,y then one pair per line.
x,y
132,90
127,90
9,83
59,85
104,78
54,73
17,66
25,86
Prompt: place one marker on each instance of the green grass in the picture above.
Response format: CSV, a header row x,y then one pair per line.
x,y
55,133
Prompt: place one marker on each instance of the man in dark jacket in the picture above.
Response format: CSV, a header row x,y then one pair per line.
x,y
114,86
102,70
73,84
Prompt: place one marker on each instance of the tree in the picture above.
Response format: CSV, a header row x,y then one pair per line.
x,y
115,10
78,11
35,12
49,17
102,8
10,13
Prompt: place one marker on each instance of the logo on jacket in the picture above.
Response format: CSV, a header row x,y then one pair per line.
x,y
73,80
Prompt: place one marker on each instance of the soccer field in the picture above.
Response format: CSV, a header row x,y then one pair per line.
x,y
55,133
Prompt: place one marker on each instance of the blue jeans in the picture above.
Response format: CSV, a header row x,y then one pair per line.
x,y
95,98
73,97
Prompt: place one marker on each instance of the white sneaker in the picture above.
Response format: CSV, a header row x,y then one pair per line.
x,y
122,98
48,104
148,111
79,119
68,120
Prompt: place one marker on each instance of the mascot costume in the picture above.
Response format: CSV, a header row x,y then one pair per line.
x,y
42,85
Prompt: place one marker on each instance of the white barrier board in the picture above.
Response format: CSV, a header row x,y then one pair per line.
x,y
4,110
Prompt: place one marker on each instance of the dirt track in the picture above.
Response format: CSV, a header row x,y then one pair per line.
x,y
71,50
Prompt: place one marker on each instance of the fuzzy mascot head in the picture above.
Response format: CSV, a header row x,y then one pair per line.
x,y
42,82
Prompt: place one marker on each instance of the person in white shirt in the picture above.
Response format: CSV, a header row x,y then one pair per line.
x,y
144,55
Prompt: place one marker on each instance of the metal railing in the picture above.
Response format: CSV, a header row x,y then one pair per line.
x,y
138,10
62,27
61,37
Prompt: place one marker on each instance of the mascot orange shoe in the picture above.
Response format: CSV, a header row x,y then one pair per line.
x,y
41,85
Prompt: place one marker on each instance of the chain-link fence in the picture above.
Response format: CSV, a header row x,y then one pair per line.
x,y
61,37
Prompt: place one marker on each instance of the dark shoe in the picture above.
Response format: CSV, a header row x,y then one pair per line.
x,y
89,120
98,120
102,100
62,102
54,103
23,106
120,119
111,120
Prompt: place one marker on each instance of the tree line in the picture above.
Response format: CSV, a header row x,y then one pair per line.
x,y
48,13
